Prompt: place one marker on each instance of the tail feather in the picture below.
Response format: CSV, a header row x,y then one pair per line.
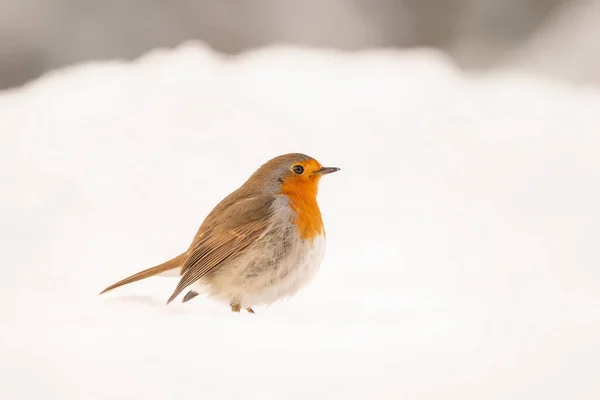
x,y
159,269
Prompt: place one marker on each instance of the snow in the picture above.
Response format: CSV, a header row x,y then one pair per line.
x,y
463,228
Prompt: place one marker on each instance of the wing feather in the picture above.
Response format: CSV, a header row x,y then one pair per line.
x,y
246,221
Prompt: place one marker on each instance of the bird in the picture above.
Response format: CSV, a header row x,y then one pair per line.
x,y
261,244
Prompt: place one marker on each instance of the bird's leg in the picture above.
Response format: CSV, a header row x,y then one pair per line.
x,y
236,307
190,295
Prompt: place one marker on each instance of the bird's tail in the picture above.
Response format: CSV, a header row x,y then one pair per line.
x,y
159,269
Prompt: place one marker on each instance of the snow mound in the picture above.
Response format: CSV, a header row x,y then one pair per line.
x,y
462,256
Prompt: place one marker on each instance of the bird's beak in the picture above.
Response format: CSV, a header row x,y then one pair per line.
x,y
326,170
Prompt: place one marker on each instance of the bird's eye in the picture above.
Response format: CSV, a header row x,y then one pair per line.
x,y
298,169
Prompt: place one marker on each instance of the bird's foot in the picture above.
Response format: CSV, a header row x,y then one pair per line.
x,y
236,307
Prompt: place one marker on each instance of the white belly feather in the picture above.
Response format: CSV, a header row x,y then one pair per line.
x,y
263,286
276,267
301,266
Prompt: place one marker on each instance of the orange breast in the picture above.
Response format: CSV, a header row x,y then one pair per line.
x,y
303,200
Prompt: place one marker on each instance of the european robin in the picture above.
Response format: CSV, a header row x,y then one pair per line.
x,y
262,243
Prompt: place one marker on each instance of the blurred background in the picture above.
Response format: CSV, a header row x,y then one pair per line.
x,y
560,38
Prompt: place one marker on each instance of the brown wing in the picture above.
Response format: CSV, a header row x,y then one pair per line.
x,y
230,228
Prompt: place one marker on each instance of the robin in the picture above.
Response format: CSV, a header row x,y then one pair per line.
x,y
262,243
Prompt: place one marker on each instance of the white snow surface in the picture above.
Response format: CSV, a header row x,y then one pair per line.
x,y
463,229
